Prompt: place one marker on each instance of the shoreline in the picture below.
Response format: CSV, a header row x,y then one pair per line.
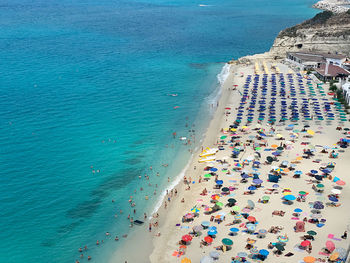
x,y
139,234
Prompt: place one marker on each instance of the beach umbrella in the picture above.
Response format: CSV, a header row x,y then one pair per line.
x,y
207,175
236,208
311,233
214,254
289,197
227,242
262,231
205,223
225,189
280,170
333,199
186,238
238,217
213,169
208,239
269,159
309,259
219,182
318,205
320,186
305,243
219,204
283,239
189,215
212,232
313,171
331,164
334,256
244,176
279,247
264,252
251,219
197,228
251,227
254,251
234,229
215,197
330,245
265,198
232,200
185,260
318,177
223,137
242,254
340,182
251,204
257,181
238,165
206,259
212,228
326,171
195,209
298,172
298,210
251,188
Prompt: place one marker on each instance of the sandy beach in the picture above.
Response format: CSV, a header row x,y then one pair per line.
x,y
329,223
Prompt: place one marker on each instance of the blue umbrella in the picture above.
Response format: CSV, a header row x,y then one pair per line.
x,y
213,169
298,210
251,188
318,205
257,181
289,197
313,171
333,199
264,252
212,232
234,229
298,172
326,171
245,176
212,228
219,182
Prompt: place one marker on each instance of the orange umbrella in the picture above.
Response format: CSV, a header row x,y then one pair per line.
x,y
299,158
309,259
286,170
334,256
185,260
208,239
251,219
274,146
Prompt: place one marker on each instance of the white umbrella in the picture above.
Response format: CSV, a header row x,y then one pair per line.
x,y
336,191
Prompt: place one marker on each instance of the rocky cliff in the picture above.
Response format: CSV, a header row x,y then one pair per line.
x,y
327,32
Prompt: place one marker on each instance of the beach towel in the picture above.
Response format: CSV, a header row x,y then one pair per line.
x,y
331,236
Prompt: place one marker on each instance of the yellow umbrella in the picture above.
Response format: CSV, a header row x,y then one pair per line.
x,y
279,135
311,132
299,158
233,129
334,256
185,260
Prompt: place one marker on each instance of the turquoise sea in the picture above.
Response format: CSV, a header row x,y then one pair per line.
x,y
84,108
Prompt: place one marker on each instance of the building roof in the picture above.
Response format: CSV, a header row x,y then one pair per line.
x,y
316,56
333,71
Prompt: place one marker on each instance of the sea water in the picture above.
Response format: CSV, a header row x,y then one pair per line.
x,y
85,109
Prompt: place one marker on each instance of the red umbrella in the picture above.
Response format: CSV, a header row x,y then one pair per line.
x,y
208,239
251,219
186,238
330,245
305,243
340,182
227,108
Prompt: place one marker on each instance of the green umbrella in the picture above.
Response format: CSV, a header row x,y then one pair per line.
x,y
219,204
266,198
207,175
319,185
227,242
302,193
236,208
223,137
257,148
279,246
311,233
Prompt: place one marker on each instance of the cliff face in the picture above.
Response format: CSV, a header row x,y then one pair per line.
x,y
327,32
